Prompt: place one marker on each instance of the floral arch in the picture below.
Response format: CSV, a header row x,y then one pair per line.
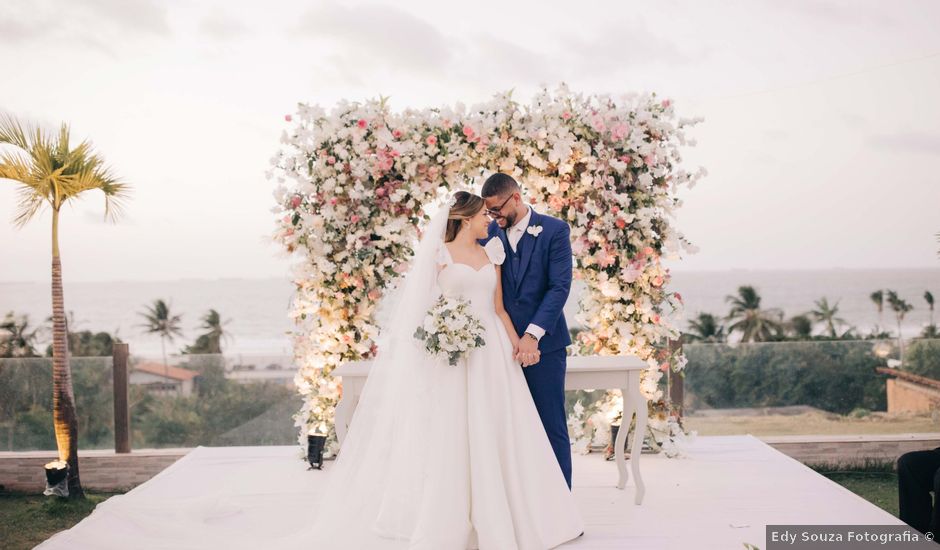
x,y
351,183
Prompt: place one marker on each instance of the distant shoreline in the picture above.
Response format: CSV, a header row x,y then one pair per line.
x,y
672,270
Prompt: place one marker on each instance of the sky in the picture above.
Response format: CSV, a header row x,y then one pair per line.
x,y
821,135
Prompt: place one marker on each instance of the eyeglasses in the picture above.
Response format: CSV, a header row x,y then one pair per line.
x,y
495,212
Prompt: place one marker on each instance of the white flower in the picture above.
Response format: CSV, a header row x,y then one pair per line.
x,y
534,230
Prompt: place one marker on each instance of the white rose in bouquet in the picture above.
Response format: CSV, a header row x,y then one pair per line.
x,y
449,330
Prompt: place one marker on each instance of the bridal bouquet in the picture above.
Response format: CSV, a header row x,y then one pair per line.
x,y
449,330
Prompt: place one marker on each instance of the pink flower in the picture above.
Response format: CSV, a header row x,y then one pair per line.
x,y
354,218
432,140
468,131
665,366
658,280
295,201
630,273
566,115
333,201
396,134
614,209
362,123
619,131
666,103
656,318
579,246
678,297
626,159
375,294
648,250
331,159
620,223
649,160
380,191
288,118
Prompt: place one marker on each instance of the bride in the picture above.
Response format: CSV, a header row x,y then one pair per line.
x,y
442,457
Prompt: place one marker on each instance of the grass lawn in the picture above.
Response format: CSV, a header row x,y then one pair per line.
x,y
27,520
878,488
810,423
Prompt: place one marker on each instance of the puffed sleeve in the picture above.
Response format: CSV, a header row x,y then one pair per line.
x,y
494,249
443,256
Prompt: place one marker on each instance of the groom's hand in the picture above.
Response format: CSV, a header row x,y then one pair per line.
x,y
528,350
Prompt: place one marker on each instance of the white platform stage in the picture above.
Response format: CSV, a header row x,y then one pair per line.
x,y
720,496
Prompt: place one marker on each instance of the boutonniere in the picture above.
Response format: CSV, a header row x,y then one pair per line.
x,y
534,230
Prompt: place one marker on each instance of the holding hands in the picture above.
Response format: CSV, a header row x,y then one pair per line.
x,y
527,350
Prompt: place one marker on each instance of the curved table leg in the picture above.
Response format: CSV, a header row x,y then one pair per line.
x,y
619,444
640,406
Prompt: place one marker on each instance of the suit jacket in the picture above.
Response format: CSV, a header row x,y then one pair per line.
x,y
537,278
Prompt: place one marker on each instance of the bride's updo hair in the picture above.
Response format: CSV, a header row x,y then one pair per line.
x,y
465,205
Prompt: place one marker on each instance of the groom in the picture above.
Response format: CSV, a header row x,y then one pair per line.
x,y
536,279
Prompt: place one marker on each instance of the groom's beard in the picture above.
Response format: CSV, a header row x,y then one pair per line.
x,y
510,221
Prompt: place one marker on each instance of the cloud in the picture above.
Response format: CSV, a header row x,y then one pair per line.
x,y
221,26
843,13
499,59
379,36
88,22
628,43
143,15
907,142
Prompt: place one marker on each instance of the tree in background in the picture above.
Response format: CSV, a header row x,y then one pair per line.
x,y
705,328
800,327
878,297
159,320
900,308
49,171
826,314
754,324
16,337
928,297
211,340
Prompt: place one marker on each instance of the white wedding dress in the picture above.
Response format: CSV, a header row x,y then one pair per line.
x,y
461,460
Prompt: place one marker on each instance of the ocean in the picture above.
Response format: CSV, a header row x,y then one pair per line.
x,y
258,322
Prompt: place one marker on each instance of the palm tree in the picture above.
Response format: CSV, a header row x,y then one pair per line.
x,y
928,297
213,323
49,171
210,341
16,338
824,313
900,308
878,297
705,328
754,323
160,321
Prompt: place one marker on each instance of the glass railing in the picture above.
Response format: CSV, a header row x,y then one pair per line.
x,y
197,400
843,387
26,403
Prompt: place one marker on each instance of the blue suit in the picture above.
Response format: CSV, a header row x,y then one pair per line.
x,y
536,281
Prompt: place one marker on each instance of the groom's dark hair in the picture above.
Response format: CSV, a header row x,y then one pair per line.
x,y
499,185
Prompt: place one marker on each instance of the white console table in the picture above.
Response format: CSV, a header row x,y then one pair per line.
x,y
594,372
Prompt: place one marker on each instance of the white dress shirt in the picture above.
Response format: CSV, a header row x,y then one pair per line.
x,y
513,236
